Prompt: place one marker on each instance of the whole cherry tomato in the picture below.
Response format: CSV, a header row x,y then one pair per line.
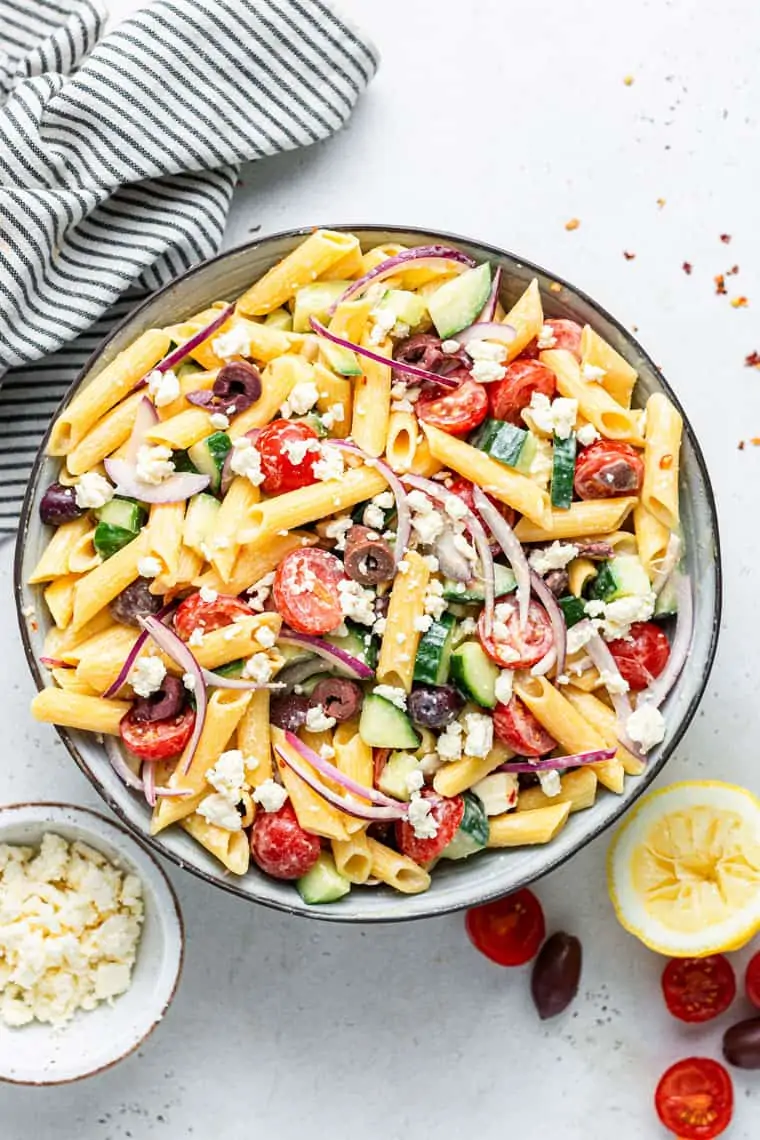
x,y
509,396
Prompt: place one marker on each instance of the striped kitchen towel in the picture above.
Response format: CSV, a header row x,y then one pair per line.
x,y
118,159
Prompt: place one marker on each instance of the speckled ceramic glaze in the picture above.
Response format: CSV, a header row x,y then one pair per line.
x,y
487,876
39,1054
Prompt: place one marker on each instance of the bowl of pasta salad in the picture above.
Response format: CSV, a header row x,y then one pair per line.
x,y
369,573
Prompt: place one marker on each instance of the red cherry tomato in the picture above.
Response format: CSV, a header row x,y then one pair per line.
x,y
194,613
529,644
508,931
305,590
157,739
280,846
695,1099
447,814
283,472
516,726
642,658
698,989
457,412
464,488
607,469
752,980
567,335
509,396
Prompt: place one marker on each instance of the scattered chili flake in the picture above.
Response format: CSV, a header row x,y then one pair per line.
x,y
687,267
628,256
634,328
666,462
572,224
752,360
739,302
732,271
660,202
720,284
740,445
755,441
628,80
725,238
555,287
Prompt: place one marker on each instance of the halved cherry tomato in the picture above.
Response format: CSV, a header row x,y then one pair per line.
x,y
516,726
642,658
157,739
698,989
464,488
695,1099
194,613
567,335
448,815
457,412
508,931
282,471
521,648
280,846
509,396
607,469
305,591
752,980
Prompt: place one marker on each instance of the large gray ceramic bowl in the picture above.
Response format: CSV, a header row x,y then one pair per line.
x,y
492,874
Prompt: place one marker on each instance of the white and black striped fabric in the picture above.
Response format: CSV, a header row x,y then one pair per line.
x,y
118,159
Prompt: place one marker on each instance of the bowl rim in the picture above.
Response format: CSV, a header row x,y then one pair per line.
x,y
652,770
131,838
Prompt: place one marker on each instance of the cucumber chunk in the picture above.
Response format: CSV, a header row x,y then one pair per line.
x,y
383,725
125,513
574,609
394,775
472,834
208,456
359,642
563,471
408,308
474,673
456,304
323,883
507,444
620,577
431,665
315,301
667,600
341,360
109,539
280,319
504,583
200,521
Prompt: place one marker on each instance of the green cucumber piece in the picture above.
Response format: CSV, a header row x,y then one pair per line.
x,y
315,301
209,455
124,513
357,515
280,319
383,725
563,471
313,421
621,577
431,665
505,443
394,775
341,360
200,521
359,642
322,883
474,673
187,368
182,462
408,308
456,304
574,609
504,583
472,834
108,539
667,600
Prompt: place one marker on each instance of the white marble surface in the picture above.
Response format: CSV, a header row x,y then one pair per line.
x,y
503,123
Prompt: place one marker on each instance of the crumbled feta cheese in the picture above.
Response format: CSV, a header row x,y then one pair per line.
x,y
234,342
487,350
392,693
196,637
384,320
415,781
562,679
615,618
579,635
467,627
542,463
219,421
479,739
461,545
423,822
373,516
430,764
646,726
449,745
92,491
326,751
550,782
148,567
504,685
163,387
147,675
427,522
422,623
431,562
455,507
303,396
497,792
227,776
592,372
270,795
266,636
317,719
296,449
546,337
154,464
555,417
450,346
337,529
258,668
357,602
246,460
379,626
487,371
435,604
217,810
208,595
613,681
28,611
330,465
259,592
586,435
554,557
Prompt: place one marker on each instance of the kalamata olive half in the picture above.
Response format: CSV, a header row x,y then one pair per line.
x,y
238,385
339,697
289,711
556,974
557,581
741,1044
368,558
166,702
135,601
434,706
59,505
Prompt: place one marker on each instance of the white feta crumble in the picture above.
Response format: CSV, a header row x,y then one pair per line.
x,y
217,810
415,781
555,417
546,337
487,371
383,321
92,491
554,557
542,463
373,516
154,464
504,686
266,636
326,751
234,342
614,682
297,449
163,387
486,350
147,676
450,346
189,680
196,637
317,719
335,414
208,595
427,522
423,822
357,602
562,679
431,562
467,627
593,372
646,726
455,507
246,460
435,603
548,778
219,421
270,795
330,465
449,746
379,626
615,618
497,792
337,529
259,592
422,623
148,567
302,398
586,435
258,668
579,635
479,738
392,693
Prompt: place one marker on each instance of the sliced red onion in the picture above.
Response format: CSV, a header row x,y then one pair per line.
x,y
338,658
451,560
217,681
145,419
227,473
488,312
174,793
505,536
542,667
119,764
679,650
556,617
486,330
178,354
55,663
397,365
669,561
345,803
175,489
559,762
333,773
175,648
599,653
123,674
149,783
440,494
403,514
420,254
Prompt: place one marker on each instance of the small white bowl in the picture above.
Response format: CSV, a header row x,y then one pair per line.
x,y
39,1054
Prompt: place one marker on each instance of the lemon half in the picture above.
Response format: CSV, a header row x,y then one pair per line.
x,y
683,869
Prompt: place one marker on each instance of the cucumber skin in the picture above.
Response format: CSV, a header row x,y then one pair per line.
x,y
323,883
505,583
478,279
431,666
502,441
563,472
473,832
109,540
459,675
398,733
573,609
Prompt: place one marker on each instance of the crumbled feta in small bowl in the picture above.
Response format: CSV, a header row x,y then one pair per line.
x,y
98,969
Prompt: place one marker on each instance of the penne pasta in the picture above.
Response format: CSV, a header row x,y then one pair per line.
x,y
353,858
459,775
75,710
99,586
618,378
526,317
661,460
603,719
59,599
372,400
308,261
578,789
582,519
55,559
525,828
652,539
105,437
398,871
395,665
231,848
594,402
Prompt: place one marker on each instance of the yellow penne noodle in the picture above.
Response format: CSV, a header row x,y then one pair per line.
x,y
164,533
350,265
353,858
67,644
75,710
380,253
67,679
595,403
235,508
277,381
313,813
183,430
255,560
189,566
603,718
588,680
349,322
520,829
108,388
263,342
254,741
54,562
502,482
396,870
460,775
191,381
582,520
101,585
579,572
231,848
352,756
424,462
59,598
84,556
578,790
398,651
104,438
372,400
621,541
305,264
335,393
652,538
661,460
526,317
401,443
619,377
307,504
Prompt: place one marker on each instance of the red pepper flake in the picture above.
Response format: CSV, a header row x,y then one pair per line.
x,y
634,328
660,202
732,271
555,287
720,284
572,224
740,445
752,360
628,256
725,238
739,302
666,462
755,441
687,268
